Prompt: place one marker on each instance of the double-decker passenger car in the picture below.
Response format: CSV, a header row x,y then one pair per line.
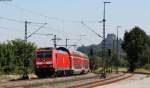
x,y
60,61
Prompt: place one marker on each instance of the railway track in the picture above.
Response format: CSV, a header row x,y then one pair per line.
x,y
45,81
83,81
103,81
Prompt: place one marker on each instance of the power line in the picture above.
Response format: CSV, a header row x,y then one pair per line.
x,y
91,29
55,29
43,34
37,30
36,13
75,42
12,29
58,30
21,31
48,17
42,15
19,21
9,19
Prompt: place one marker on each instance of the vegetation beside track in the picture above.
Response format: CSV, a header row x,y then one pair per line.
x,y
13,56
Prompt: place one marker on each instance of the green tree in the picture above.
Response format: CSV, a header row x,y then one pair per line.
x,y
12,55
24,52
92,60
144,57
95,60
134,43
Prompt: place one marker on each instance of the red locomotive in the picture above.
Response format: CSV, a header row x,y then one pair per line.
x,y
60,61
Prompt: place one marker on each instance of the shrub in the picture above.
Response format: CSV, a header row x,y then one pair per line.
x,y
146,66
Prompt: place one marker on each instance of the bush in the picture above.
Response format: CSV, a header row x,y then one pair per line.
x,y
146,66
14,54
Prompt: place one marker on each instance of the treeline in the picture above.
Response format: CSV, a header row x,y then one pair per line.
x,y
135,54
136,44
13,54
110,59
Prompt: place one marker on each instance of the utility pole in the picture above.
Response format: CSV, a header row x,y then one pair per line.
x,y
55,41
55,45
25,38
25,63
103,43
66,45
67,42
25,74
117,50
113,53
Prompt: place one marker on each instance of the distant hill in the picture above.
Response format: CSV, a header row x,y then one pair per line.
x,y
97,48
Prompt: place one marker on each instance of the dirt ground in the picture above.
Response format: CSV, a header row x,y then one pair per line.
x,y
137,81
44,82
57,82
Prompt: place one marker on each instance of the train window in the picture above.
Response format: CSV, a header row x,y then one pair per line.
x,y
44,54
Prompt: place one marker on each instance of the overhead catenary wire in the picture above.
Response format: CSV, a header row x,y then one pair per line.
x,y
1,27
76,40
45,16
11,29
42,15
91,29
44,34
9,19
59,30
20,31
37,13
19,21
65,33
45,27
75,43
37,30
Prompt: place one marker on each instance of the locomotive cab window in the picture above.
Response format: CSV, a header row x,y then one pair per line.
x,y
44,54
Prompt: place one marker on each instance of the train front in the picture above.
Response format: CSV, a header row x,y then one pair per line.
x,y
43,63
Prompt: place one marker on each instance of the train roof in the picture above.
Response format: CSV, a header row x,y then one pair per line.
x,y
71,52
78,53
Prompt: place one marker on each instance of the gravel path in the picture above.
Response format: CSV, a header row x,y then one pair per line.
x,y
69,83
34,83
60,82
137,81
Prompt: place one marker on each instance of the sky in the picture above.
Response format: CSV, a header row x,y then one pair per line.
x,y
63,18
